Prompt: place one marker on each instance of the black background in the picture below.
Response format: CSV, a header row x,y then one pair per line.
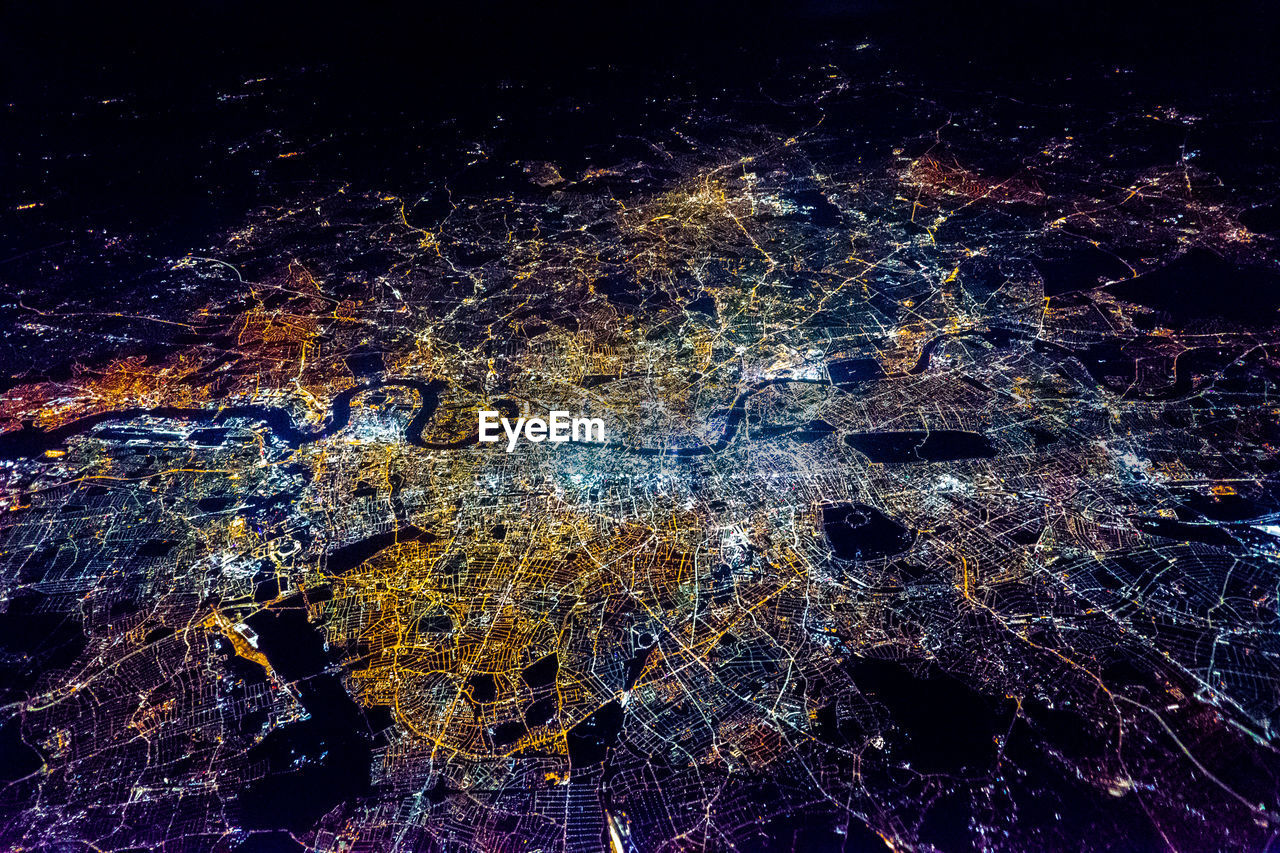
x,y
60,48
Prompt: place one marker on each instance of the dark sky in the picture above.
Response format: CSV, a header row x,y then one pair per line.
x,y
67,44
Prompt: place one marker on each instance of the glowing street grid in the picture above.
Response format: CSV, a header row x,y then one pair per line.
x,y
938,507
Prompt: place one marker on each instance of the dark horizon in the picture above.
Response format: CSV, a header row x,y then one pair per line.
x,y
63,46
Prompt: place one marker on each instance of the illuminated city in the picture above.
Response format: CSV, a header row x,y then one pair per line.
x,y
896,472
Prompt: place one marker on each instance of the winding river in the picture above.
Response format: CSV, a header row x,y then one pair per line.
x,y
32,442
